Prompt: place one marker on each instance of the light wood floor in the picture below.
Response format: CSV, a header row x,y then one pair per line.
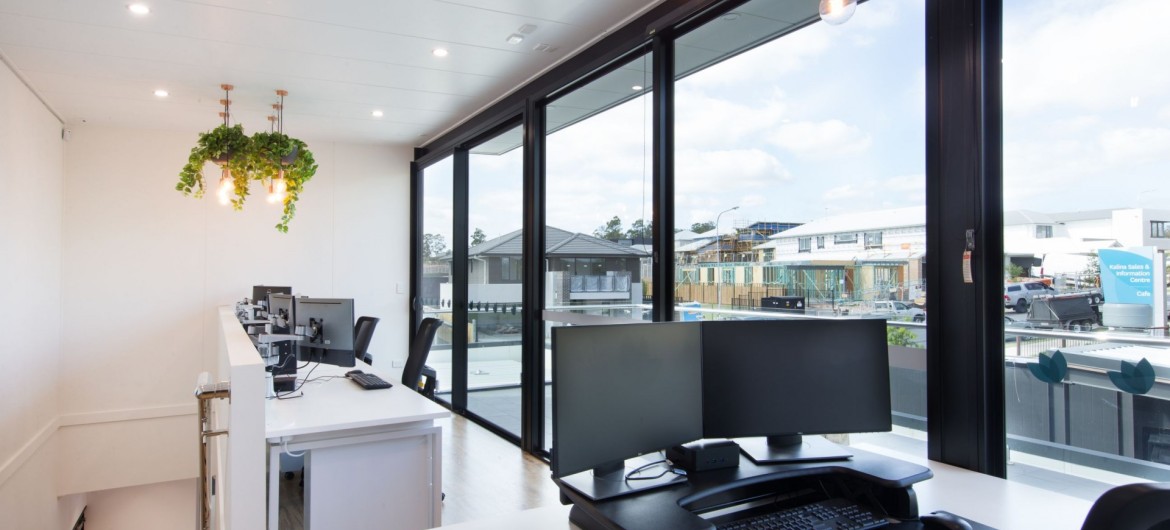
x,y
483,475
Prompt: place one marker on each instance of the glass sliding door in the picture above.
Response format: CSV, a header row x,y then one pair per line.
x,y
598,205
494,271
436,292
1086,151
800,178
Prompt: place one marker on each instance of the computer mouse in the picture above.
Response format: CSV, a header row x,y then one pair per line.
x,y
943,520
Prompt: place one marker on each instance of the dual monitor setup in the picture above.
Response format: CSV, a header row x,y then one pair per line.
x,y
623,391
301,329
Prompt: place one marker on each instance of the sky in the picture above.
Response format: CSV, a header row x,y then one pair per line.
x,y
831,119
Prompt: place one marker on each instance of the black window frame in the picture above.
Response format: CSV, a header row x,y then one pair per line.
x,y
964,195
1160,229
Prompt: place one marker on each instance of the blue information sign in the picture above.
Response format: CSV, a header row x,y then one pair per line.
x,y
1127,275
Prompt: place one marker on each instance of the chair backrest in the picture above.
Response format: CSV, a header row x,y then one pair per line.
x,y
1131,507
363,331
420,347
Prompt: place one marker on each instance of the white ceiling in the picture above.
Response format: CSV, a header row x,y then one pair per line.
x,y
93,62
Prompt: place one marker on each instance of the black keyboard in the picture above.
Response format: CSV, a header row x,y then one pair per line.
x,y
824,515
367,381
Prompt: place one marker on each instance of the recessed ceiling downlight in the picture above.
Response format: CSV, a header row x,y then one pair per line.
x,y
440,52
139,9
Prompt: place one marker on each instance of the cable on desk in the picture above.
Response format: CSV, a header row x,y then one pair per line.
x,y
284,447
669,469
283,395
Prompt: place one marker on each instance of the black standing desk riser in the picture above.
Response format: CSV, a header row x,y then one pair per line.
x,y
867,478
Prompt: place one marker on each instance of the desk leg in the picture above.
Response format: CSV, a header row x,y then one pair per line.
x,y
273,487
436,442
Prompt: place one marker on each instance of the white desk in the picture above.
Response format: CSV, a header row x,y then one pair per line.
x,y
992,501
373,457
995,502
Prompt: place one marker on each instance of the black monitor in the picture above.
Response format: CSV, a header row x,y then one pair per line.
x,y
780,379
326,327
260,293
621,391
325,322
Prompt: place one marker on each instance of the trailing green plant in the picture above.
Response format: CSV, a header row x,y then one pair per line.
x,y
224,145
271,152
261,157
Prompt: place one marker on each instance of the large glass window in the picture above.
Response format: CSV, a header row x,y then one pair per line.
x,y
495,216
790,130
436,290
1086,143
598,204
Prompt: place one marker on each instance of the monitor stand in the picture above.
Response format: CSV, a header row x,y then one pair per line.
x,y
791,448
610,480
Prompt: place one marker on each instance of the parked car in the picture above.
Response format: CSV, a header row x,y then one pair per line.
x,y
1018,296
898,310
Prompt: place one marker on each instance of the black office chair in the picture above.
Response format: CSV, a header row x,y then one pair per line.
x,y
1131,507
363,331
420,348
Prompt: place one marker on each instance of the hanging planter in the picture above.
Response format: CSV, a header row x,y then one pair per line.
x,y
227,147
282,163
286,164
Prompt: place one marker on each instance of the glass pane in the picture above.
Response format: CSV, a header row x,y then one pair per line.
x,y
599,209
436,290
494,286
1086,153
800,188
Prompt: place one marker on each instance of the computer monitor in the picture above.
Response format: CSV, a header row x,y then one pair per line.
x,y
280,309
326,327
260,293
781,379
325,322
620,391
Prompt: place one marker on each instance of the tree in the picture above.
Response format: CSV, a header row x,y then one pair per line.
x,y
478,237
640,229
611,230
705,226
433,246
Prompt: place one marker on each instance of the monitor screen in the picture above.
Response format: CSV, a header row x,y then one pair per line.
x,y
780,378
623,390
325,322
260,292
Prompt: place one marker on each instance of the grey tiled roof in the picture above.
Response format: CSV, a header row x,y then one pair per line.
x,y
558,243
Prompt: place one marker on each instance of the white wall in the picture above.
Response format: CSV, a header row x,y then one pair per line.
x,y
30,309
144,269
164,505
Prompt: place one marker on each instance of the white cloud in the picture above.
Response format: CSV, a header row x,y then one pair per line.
x,y
821,139
1136,145
753,200
703,172
790,54
892,192
706,121
1096,55
877,15
1165,113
